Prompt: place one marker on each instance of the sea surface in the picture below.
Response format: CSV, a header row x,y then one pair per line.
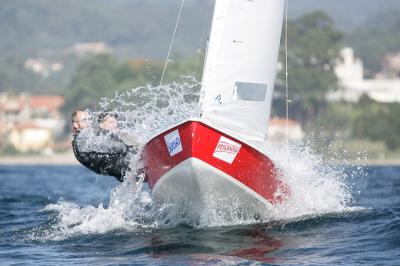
x,y
66,215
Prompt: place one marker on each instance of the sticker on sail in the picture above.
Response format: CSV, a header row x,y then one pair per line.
x,y
173,141
226,150
218,99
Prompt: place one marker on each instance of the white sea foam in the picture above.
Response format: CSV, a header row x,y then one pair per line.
x,y
315,187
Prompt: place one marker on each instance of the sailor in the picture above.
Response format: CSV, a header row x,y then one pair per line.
x,y
98,147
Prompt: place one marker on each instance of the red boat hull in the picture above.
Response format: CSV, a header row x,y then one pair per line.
x,y
232,158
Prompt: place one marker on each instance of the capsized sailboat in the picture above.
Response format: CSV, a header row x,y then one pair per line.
x,y
221,155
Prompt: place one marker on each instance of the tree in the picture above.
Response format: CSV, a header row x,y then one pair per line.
x,y
93,79
313,46
378,122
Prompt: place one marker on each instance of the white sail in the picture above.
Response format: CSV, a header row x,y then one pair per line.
x,y
240,68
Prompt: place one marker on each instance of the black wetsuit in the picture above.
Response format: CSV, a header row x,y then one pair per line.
x,y
109,159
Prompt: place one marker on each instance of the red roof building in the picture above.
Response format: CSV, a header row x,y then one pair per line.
x,y
48,102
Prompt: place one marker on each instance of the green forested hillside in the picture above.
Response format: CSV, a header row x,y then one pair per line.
x,y
131,27
138,27
347,14
143,28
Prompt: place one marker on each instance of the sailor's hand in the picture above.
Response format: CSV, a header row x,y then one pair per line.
x,y
109,123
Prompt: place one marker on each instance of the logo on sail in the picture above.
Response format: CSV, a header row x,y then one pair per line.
x,y
226,150
173,142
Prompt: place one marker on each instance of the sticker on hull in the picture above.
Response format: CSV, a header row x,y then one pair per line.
x,y
173,142
226,150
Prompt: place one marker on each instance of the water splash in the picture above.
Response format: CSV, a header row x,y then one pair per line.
x,y
146,111
126,211
315,188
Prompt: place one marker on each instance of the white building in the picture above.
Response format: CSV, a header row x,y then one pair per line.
x,y
30,123
350,73
81,49
280,127
30,137
42,67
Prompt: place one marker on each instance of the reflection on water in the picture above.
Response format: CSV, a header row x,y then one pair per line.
x,y
247,243
259,247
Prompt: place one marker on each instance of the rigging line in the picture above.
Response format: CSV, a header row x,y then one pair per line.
x,y
172,41
205,30
286,75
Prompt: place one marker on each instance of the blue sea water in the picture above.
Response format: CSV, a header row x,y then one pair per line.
x,y
56,215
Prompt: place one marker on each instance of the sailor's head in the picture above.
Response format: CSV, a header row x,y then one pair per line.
x,y
79,120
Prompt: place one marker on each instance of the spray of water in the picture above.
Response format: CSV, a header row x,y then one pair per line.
x,y
315,187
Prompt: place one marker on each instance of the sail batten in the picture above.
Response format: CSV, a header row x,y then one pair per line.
x,y
240,67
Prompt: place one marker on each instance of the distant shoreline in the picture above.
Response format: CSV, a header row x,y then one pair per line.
x,y
54,159
377,162
69,159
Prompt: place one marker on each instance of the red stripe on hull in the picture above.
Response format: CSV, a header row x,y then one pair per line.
x,y
250,167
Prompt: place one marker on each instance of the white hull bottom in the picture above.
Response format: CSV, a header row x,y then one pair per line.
x,y
204,191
